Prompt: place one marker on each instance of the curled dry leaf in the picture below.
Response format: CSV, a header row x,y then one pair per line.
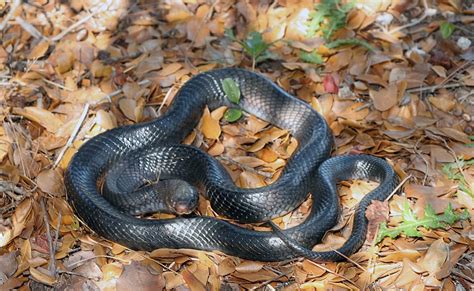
x,y
41,116
210,127
384,99
51,182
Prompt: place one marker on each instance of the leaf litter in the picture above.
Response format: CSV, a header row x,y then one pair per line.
x,y
399,88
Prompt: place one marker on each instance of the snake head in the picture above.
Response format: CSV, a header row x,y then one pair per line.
x,y
183,197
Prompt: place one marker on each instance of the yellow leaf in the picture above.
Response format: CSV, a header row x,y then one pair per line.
x,y
41,116
39,50
210,127
169,69
111,271
42,277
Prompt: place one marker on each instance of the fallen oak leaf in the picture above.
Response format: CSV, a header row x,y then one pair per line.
x,y
377,212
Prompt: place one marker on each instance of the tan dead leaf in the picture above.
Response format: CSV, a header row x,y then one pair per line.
x,y
397,256
249,267
384,99
41,116
105,119
441,155
350,110
177,12
442,103
250,180
407,275
40,274
169,69
455,134
133,109
100,70
216,149
20,217
112,271
267,155
5,144
39,50
262,275
435,257
8,263
249,161
226,267
192,281
339,61
440,71
313,268
173,280
210,127
63,61
92,94
218,112
136,276
50,181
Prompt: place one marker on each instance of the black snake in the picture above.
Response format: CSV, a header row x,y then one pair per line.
x,y
133,153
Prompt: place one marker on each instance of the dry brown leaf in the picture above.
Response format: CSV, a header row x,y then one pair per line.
x,y
41,116
112,271
250,180
51,182
41,275
384,99
136,276
39,50
192,281
210,127
435,257
407,275
169,69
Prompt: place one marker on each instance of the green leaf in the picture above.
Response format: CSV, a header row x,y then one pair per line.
x,y
447,29
312,57
329,16
229,33
409,225
232,114
231,89
254,45
350,41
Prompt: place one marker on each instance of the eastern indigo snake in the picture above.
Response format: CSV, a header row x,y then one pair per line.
x,y
126,156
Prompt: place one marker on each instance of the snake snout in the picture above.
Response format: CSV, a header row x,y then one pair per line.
x,y
184,199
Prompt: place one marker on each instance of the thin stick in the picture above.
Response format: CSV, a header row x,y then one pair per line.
x,y
74,26
30,28
52,262
13,8
426,13
73,135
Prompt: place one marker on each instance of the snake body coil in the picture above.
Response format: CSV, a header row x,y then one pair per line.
x,y
139,150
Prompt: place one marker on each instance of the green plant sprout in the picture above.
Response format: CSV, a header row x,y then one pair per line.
x,y
232,91
409,225
254,46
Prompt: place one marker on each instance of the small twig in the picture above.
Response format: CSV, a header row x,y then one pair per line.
x,y
57,85
13,8
30,28
167,96
74,26
427,12
73,135
6,186
434,88
52,262
398,187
